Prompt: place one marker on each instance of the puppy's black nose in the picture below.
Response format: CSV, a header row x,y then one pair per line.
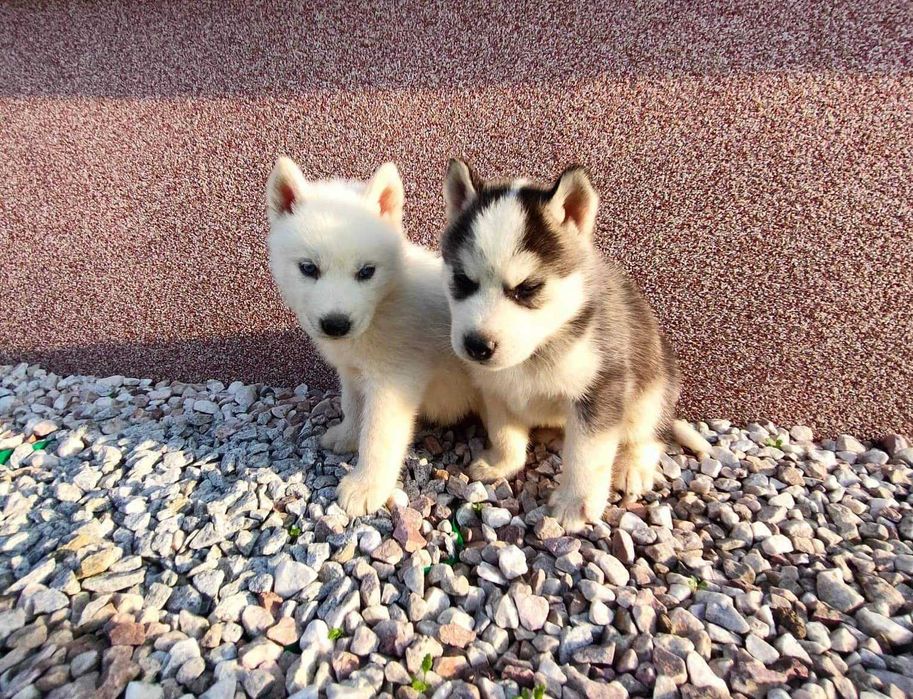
x,y
335,324
479,347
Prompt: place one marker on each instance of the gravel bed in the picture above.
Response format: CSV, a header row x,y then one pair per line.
x,y
160,540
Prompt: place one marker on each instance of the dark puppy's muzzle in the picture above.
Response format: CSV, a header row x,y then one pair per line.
x,y
478,347
335,325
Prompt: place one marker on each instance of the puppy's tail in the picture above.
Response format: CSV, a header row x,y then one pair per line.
x,y
690,438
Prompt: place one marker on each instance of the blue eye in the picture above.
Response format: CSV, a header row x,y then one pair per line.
x,y
309,269
365,273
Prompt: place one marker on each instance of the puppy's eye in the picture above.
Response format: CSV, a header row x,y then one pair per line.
x,y
365,273
309,269
463,286
525,292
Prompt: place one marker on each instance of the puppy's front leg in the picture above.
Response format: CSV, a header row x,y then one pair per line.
x,y
509,438
343,438
387,426
586,474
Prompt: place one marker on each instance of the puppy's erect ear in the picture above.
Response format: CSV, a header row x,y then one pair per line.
x,y
460,187
573,201
285,190
385,190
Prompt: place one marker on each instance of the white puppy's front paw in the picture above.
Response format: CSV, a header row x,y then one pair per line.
x,y
361,496
574,510
487,468
341,439
634,478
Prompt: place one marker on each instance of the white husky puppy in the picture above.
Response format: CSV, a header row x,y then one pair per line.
x,y
557,337
374,305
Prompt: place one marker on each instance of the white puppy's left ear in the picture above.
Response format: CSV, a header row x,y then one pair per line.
x,y
385,191
573,201
285,189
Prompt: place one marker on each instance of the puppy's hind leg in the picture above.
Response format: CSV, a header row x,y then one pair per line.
x,y
509,439
636,466
636,472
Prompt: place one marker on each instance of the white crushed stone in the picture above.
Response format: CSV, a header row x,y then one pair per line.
x,y
174,539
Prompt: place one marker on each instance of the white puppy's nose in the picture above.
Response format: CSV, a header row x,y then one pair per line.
x,y
335,324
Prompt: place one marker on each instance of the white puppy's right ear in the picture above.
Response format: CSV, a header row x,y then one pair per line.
x,y
285,190
385,191
460,187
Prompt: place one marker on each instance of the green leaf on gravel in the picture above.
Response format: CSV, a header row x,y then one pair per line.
x,y
5,456
419,685
40,445
334,633
426,663
696,584
294,531
539,691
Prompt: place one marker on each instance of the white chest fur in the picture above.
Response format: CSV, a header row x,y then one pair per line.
x,y
539,394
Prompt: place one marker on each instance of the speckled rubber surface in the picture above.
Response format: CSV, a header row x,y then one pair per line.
x,y
755,164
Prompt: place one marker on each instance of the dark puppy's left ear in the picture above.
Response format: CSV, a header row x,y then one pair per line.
x,y
461,187
573,201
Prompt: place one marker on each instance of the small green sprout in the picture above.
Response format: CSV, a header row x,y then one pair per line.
x,y
696,584
777,443
334,633
294,532
421,685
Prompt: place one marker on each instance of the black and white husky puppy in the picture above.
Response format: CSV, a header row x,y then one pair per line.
x,y
556,336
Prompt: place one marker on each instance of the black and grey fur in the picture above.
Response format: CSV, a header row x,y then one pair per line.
x,y
556,336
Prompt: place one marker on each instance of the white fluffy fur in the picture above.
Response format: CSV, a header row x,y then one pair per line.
x,y
395,364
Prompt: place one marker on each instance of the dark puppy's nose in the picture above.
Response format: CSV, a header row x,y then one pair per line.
x,y
479,347
335,324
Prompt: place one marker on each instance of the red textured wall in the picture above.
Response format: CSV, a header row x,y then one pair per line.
x,y
755,162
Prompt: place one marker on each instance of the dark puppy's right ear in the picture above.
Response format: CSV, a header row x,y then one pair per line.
x,y
461,186
285,190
